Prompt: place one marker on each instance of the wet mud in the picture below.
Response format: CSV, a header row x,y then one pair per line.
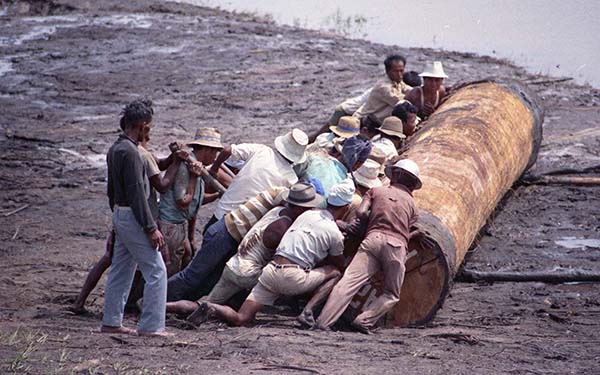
x,y
67,68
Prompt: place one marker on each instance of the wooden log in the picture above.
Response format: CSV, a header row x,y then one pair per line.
x,y
470,152
562,180
563,276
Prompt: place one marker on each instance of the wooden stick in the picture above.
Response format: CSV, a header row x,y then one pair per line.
x,y
16,233
213,181
550,81
562,180
15,211
227,170
555,172
555,277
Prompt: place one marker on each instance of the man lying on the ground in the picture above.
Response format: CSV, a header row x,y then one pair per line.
x,y
263,168
312,238
388,93
179,205
152,166
256,249
389,212
428,97
220,243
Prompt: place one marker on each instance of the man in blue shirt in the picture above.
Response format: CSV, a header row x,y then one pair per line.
x,y
179,205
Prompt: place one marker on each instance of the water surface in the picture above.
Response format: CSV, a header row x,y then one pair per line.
x,y
559,38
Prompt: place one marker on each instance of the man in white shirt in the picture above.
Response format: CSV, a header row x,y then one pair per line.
x,y
263,168
313,237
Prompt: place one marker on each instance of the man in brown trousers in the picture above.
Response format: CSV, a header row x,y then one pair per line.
x,y
392,213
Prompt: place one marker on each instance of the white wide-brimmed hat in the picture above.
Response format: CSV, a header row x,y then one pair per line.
x,y
367,174
379,156
292,145
347,127
407,165
208,137
393,126
303,194
341,194
434,70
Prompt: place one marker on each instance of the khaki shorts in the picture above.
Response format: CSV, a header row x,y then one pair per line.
x,y
175,237
229,285
287,281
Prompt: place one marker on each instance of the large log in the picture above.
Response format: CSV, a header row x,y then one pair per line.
x,y
470,152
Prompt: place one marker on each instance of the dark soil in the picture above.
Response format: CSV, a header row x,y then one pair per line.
x,y
67,68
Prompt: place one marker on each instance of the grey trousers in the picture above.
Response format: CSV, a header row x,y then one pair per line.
x,y
133,247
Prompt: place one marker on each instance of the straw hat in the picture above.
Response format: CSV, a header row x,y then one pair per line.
x,y
393,126
347,127
407,165
367,174
434,70
341,194
292,145
303,194
208,137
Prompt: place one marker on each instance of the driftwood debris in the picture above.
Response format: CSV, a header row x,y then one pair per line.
x,y
15,210
562,180
553,277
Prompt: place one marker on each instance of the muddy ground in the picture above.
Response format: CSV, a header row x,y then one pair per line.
x,y
67,68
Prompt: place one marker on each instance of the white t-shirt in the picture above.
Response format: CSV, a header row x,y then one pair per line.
x,y
311,238
252,254
263,168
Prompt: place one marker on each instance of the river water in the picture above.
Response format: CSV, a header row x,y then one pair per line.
x,y
554,37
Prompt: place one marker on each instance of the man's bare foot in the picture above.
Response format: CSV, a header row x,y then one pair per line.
x,y
155,334
77,309
202,314
182,307
307,319
119,330
362,328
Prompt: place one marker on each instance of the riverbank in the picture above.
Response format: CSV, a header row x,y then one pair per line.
x,y
66,69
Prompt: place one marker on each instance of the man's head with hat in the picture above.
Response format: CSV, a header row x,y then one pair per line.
x,y
404,172
340,196
206,145
302,197
433,76
347,127
367,176
407,113
292,146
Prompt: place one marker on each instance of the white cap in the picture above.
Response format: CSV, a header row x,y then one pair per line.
x,y
341,194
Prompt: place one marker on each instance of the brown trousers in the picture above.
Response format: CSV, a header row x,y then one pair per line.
x,y
175,240
378,251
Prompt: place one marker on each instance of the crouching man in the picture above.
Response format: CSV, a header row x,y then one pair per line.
x,y
389,212
312,238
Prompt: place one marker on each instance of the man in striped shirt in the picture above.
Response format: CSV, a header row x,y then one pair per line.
x,y
220,243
